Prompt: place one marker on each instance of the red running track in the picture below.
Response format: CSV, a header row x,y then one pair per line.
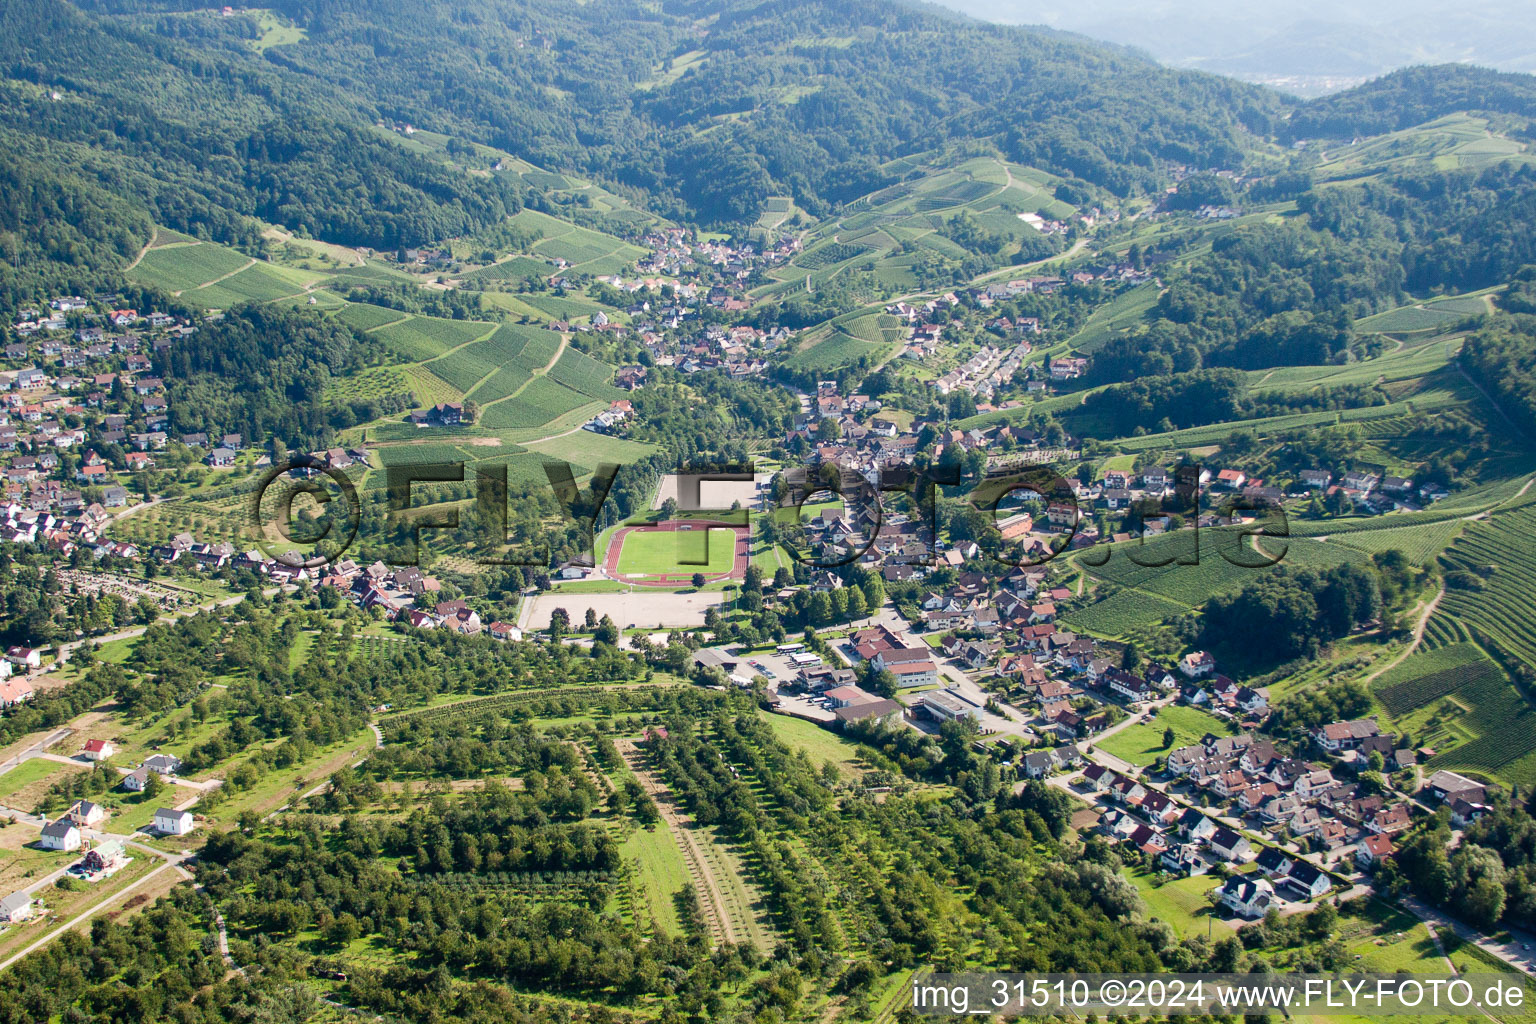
x,y
672,581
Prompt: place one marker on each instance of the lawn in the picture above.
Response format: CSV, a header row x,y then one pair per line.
x,y
1181,903
660,871
22,861
586,449
662,552
1143,743
819,744
34,769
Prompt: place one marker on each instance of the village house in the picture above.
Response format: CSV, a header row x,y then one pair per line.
x,y
15,908
1336,736
105,856
170,822
1372,850
1247,896
62,834
1229,845
86,814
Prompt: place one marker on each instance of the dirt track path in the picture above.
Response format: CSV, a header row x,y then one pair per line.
x,y
711,897
1418,637
222,277
534,375
153,234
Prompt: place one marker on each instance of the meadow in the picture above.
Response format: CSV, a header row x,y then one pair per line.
x,y
1141,744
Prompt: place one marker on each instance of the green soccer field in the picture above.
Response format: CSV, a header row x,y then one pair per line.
x,y
657,553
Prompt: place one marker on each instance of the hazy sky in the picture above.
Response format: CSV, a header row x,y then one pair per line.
x,y
1300,41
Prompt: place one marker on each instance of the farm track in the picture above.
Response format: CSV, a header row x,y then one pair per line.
x,y
1418,637
153,234
463,344
403,318
711,894
222,277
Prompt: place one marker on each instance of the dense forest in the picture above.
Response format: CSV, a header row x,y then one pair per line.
x,y
813,116
60,233
262,371
1289,613
1409,97
205,137
1502,359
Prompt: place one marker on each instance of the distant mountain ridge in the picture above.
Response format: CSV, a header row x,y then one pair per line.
x,y
1305,46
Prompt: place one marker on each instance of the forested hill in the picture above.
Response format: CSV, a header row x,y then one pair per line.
x,y
709,107
1410,97
207,136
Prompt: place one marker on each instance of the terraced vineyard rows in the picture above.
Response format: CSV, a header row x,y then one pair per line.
x,y
826,256
366,317
421,338
541,401
580,372
1122,614
467,366
1489,573
177,268
1420,543
1190,585
1426,676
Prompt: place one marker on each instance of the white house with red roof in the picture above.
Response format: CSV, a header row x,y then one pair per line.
x,y
97,750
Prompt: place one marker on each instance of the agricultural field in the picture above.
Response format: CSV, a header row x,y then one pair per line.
x,y
659,874
572,306
427,386
1214,552
1216,433
1428,675
1458,701
838,348
469,365
1121,615
374,383
585,250
365,317
586,449
1422,544
422,338
1411,362
891,229
260,282
184,266
1448,143
541,401
671,552
1114,318
1409,320
1488,570
580,372
513,268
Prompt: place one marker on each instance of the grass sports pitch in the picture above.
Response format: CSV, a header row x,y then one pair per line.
x,y
660,553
